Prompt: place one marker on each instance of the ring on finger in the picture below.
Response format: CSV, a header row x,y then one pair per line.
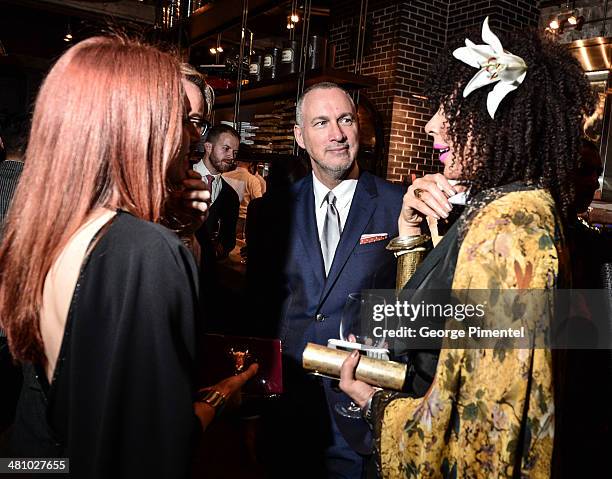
x,y
418,192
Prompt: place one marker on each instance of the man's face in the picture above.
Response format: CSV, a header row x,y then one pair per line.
x,y
193,115
195,107
223,152
329,132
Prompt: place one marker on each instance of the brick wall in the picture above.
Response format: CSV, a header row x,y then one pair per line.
x,y
380,56
403,37
421,36
504,14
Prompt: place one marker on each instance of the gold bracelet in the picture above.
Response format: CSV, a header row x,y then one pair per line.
x,y
407,243
213,398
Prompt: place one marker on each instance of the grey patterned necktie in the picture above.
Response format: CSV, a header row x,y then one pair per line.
x,y
331,232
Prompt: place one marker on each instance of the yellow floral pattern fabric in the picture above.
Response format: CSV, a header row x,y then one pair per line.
x,y
484,404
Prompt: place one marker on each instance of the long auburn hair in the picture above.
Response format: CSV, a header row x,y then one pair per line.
x,y
106,128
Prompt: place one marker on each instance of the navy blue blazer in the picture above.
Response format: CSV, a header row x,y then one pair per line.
x,y
313,304
292,299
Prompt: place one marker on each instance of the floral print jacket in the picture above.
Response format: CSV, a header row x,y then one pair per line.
x,y
485,406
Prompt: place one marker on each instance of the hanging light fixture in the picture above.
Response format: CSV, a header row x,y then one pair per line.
x,y
217,49
292,18
567,18
68,36
572,18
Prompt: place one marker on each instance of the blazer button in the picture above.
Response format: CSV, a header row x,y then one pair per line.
x,y
320,317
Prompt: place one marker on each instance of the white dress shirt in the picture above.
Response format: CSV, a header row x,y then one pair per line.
x,y
344,193
200,167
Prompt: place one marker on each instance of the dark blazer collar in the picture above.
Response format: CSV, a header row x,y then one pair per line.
x,y
306,225
224,183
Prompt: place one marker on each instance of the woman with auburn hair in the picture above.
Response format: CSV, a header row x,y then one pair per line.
x,y
98,300
508,124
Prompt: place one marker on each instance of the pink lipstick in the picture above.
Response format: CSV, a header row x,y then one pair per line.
x,y
444,151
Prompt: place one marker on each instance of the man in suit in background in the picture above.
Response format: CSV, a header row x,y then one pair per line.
x,y
221,147
322,257
217,237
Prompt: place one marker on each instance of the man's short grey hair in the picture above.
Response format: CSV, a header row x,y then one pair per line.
x,y
326,85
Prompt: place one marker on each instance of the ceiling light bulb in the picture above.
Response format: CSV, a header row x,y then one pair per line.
x,y
572,20
294,18
554,24
290,26
66,39
219,49
69,36
213,50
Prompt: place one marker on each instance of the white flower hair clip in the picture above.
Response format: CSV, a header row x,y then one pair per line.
x,y
495,65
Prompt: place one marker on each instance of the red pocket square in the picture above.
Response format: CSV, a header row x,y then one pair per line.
x,y
373,238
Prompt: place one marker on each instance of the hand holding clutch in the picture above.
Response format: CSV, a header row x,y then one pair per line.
x,y
359,391
376,372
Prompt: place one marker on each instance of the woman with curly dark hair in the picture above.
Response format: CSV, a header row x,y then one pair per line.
x,y
508,124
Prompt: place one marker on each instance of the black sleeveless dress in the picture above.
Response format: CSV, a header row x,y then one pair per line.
x,y
120,401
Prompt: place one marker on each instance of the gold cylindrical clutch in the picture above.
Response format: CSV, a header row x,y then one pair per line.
x,y
409,251
407,264
376,372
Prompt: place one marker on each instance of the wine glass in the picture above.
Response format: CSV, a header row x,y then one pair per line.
x,y
358,327
358,323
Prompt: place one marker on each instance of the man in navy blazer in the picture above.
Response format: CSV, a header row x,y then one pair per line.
x,y
310,291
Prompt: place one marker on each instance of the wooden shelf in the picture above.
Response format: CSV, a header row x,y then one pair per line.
x,y
285,87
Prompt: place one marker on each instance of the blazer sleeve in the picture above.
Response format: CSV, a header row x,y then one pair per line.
x,y
131,391
229,219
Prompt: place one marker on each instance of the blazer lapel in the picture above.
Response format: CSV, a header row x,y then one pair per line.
x,y
306,226
362,209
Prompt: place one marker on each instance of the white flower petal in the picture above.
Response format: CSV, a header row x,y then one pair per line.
x,y
496,95
481,79
484,52
466,55
489,37
509,70
512,74
510,59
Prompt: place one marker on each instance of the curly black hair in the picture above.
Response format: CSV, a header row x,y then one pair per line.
x,y
536,134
